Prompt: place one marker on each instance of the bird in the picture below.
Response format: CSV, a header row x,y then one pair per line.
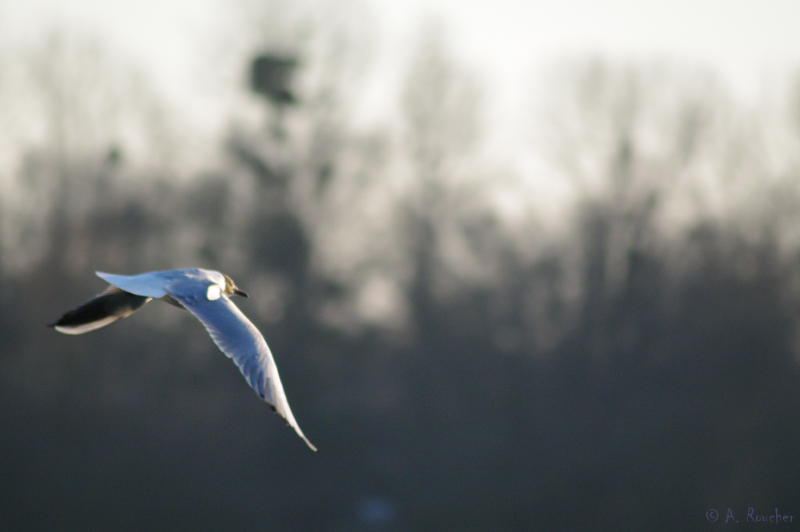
x,y
204,293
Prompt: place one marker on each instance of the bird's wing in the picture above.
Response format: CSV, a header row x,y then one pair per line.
x,y
150,284
239,339
102,310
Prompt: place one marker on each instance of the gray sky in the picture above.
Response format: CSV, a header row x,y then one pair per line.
x,y
751,43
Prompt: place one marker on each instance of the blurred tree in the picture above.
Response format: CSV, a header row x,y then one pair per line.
x,y
441,110
308,55
660,376
637,142
271,75
88,192
78,108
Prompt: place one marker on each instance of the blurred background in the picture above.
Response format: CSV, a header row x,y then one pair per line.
x,y
521,267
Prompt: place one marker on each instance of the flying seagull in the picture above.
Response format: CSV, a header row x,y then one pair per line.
x,y
204,293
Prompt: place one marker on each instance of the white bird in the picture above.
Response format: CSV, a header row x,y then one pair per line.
x,y
204,293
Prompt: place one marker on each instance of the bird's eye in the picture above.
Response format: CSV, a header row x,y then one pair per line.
x,y
213,292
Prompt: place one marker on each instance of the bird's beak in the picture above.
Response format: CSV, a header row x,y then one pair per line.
x,y
238,292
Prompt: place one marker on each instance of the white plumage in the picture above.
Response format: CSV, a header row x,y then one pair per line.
x,y
204,293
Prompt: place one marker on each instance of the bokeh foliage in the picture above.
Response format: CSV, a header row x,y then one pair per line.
x,y
627,368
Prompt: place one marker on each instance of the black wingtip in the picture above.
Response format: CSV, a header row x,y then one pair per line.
x,y
111,303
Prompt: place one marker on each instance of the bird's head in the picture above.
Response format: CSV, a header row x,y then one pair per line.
x,y
231,289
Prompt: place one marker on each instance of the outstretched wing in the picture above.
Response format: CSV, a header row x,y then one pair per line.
x,y
239,339
102,310
150,284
